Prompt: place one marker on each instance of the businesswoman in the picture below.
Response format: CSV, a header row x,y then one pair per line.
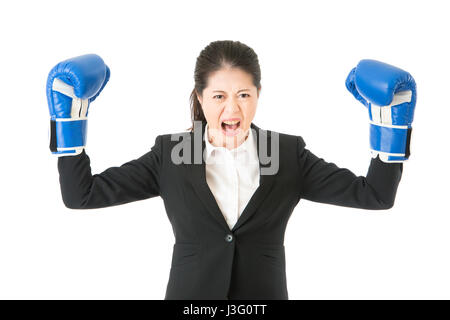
x,y
228,186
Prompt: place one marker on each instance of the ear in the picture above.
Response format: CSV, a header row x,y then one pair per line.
x,y
199,97
259,91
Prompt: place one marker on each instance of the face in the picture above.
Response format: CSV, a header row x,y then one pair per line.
x,y
229,104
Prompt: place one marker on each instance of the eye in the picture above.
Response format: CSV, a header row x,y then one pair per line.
x,y
217,95
246,94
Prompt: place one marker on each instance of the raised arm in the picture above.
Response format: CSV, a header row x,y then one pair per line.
x,y
389,94
71,86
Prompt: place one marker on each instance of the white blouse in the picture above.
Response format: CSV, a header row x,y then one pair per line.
x,y
232,175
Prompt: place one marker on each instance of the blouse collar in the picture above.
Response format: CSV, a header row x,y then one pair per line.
x,y
247,146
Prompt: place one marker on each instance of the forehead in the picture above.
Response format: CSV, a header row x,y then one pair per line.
x,y
229,78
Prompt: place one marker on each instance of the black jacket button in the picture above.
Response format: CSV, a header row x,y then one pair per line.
x,y
229,238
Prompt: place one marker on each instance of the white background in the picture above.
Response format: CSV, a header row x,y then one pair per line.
x,y
306,50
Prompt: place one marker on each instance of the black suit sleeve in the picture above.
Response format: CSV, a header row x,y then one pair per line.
x,y
326,183
135,180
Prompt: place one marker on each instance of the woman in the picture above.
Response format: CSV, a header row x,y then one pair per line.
x,y
228,186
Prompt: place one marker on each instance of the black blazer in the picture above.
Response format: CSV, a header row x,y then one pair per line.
x,y
209,260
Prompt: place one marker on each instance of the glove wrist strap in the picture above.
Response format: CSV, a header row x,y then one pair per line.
x,y
67,136
391,141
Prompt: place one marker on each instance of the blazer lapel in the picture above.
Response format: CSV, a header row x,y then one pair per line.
x,y
197,176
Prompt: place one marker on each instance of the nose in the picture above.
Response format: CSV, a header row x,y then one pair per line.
x,y
232,106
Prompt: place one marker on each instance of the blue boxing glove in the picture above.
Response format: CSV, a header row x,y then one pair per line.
x,y
71,86
389,93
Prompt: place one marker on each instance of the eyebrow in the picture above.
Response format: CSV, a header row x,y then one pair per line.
x,y
237,92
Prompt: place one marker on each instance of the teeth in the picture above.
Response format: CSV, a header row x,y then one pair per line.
x,y
231,122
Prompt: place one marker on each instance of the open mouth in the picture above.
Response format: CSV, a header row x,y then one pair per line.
x,y
231,128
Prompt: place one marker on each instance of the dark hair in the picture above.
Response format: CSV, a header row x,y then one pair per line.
x,y
216,55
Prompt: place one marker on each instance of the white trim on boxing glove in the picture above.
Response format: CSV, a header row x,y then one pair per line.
x,y
387,125
382,116
79,106
75,151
